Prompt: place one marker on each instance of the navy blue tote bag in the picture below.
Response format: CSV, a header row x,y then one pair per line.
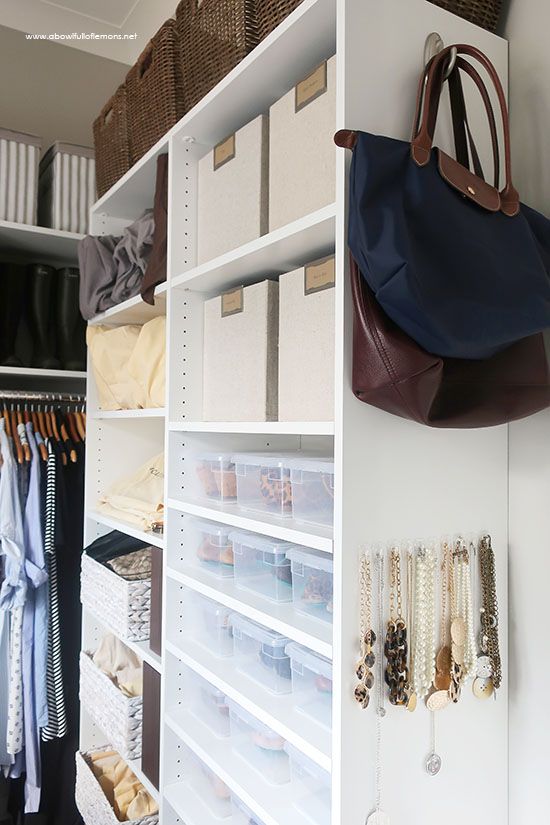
x,y
458,264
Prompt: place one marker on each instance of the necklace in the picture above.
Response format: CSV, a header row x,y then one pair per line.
x,y
367,635
438,697
424,619
488,665
396,647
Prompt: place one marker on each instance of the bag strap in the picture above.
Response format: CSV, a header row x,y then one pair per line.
x,y
426,116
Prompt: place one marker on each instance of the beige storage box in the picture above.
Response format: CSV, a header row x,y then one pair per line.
x,y
306,343
233,181
302,154
19,156
240,354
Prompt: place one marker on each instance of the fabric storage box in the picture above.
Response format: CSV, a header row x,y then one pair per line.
x,y
302,157
66,187
118,716
306,343
111,142
312,490
242,815
91,801
206,703
216,477
210,546
311,683
241,354
19,157
312,582
122,605
206,784
263,483
260,654
260,747
261,565
234,172
209,624
311,788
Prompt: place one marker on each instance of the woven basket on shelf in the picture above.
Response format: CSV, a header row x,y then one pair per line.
x,y
112,151
214,36
485,13
154,91
118,716
118,603
272,12
92,803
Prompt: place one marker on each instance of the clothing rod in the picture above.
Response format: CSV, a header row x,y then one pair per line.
x,y
59,397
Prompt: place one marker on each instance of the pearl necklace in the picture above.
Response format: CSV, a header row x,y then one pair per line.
x,y
424,619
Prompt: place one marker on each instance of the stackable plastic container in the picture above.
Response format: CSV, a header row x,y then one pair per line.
x,y
312,490
261,565
312,582
260,747
210,547
260,654
263,483
209,624
310,788
207,785
216,477
311,683
206,703
243,815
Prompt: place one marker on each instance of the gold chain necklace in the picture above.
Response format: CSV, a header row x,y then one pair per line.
x,y
363,668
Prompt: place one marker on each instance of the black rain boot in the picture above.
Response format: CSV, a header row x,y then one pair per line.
x,y
42,283
13,278
70,325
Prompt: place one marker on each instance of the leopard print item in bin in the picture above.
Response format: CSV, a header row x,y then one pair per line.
x,y
277,494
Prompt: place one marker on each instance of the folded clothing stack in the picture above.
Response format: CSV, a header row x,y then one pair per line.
x,y
138,499
120,664
124,791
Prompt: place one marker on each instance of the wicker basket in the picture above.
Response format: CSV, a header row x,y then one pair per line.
x,y
112,151
155,91
272,12
485,13
92,802
215,36
118,716
122,605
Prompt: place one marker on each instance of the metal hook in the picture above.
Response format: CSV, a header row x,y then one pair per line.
x,y
434,45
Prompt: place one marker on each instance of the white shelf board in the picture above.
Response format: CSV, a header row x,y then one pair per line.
x,y
35,372
271,803
188,805
39,244
156,412
255,427
282,617
319,538
128,529
135,765
278,712
141,649
134,310
283,250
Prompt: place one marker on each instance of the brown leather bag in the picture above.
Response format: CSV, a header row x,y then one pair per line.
x,y
393,373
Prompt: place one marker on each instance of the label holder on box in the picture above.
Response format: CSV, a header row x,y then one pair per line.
x,y
311,87
319,275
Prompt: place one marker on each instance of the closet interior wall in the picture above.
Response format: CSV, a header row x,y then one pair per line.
x,y
394,479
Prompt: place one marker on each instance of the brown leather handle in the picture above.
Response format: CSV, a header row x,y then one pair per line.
x,y
421,143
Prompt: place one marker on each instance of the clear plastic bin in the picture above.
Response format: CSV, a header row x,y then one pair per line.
x,y
243,815
216,477
312,490
261,565
263,483
209,624
207,785
210,546
260,747
261,654
312,582
206,703
311,683
311,788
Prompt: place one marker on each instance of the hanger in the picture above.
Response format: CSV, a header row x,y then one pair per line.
x,y
67,442
15,436
36,427
23,435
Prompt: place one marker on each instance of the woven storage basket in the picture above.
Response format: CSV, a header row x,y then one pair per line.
x,y
92,802
122,605
214,36
117,715
112,150
272,12
485,13
155,91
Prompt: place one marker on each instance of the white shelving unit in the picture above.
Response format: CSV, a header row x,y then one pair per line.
x,y
21,241
392,477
